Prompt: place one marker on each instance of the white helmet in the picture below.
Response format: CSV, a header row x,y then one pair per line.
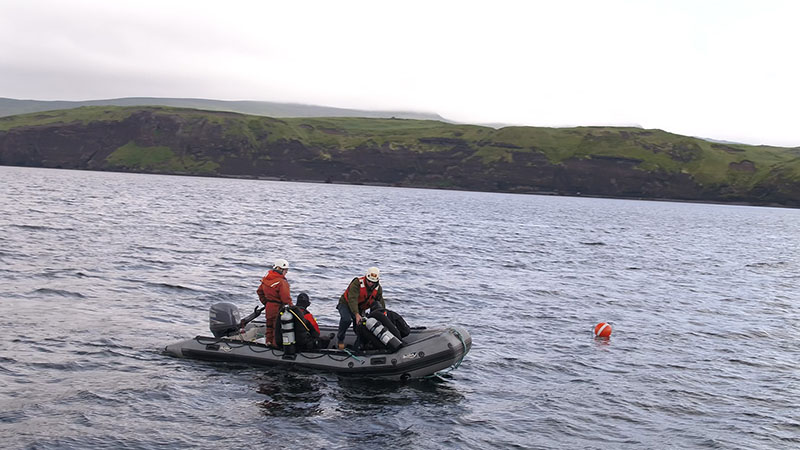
x,y
373,274
281,264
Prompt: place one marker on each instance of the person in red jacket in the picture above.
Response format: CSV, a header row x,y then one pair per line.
x,y
274,293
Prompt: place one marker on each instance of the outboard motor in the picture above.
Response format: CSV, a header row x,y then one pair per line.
x,y
389,340
287,331
223,319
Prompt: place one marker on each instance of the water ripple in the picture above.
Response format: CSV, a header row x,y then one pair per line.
x,y
100,270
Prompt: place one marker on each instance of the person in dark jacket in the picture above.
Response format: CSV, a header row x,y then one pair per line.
x,y
317,340
303,302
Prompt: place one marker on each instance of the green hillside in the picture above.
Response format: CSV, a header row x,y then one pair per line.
x,y
220,143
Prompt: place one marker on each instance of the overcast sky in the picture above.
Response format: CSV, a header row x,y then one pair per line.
x,y
719,69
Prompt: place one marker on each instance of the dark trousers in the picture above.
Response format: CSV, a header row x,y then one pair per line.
x,y
346,317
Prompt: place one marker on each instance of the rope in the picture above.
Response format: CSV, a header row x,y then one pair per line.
x,y
349,353
352,355
256,349
463,345
235,344
457,363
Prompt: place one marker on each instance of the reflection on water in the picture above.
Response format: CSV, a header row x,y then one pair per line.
x,y
344,412
290,394
361,395
298,394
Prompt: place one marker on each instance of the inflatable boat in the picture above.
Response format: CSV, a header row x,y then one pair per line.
x,y
423,352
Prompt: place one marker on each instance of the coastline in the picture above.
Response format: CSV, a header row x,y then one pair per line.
x,y
422,186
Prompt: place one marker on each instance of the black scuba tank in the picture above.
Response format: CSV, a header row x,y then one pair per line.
x,y
389,340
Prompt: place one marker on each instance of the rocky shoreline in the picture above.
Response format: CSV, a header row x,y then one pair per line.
x,y
154,140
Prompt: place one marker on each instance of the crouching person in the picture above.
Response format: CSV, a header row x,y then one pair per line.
x,y
315,341
292,331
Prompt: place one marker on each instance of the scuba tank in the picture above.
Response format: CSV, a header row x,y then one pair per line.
x,y
389,340
287,331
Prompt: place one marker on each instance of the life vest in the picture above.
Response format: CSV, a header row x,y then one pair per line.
x,y
364,301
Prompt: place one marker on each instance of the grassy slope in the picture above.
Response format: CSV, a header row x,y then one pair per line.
x,y
657,150
705,161
160,158
80,115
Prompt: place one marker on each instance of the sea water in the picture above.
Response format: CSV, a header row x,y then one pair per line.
x,y
99,271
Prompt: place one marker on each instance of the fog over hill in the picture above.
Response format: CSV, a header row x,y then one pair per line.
x,y
11,107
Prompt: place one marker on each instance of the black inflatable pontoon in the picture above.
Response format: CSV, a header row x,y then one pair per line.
x,y
424,352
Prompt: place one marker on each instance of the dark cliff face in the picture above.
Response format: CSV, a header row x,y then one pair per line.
x,y
454,164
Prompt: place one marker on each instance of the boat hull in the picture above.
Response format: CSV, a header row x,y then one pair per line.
x,y
424,353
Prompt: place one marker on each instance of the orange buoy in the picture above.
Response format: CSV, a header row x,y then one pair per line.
x,y
602,330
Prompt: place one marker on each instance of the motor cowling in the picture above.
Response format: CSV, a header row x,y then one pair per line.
x,y
389,340
287,331
223,319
